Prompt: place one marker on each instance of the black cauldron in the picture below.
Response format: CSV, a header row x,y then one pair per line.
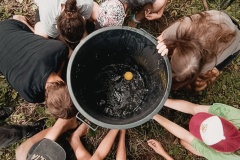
x,y
96,82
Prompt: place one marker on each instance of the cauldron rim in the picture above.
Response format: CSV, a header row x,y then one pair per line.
x,y
98,122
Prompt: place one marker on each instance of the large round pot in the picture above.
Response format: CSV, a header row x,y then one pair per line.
x,y
98,88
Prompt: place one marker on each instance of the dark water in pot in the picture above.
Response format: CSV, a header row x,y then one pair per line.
x,y
115,95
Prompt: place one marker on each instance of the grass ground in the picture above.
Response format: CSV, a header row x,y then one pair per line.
x,y
226,89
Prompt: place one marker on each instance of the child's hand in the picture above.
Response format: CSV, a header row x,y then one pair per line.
x,y
156,146
162,49
148,13
151,16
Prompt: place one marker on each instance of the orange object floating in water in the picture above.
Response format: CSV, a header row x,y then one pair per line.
x,y
128,76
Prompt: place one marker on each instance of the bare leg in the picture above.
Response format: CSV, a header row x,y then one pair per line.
x,y
105,145
190,148
121,150
78,148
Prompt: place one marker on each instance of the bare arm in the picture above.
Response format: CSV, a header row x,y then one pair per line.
x,y
175,129
121,149
185,106
60,126
76,144
190,148
156,9
94,14
105,145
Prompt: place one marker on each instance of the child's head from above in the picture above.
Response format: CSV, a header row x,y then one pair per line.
x,y
186,63
58,100
71,24
216,132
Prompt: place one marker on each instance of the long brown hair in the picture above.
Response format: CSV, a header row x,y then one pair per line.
x,y
200,43
71,24
186,63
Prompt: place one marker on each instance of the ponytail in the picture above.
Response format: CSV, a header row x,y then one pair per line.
x,y
71,24
70,6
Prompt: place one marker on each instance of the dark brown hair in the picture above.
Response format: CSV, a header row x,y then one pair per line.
x,y
58,100
200,43
71,24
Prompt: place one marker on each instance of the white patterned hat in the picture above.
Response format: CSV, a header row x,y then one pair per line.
x,y
111,13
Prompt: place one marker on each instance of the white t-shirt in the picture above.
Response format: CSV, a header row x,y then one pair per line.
x,y
49,10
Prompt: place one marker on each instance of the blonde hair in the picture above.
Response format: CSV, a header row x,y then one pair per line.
x,y
58,100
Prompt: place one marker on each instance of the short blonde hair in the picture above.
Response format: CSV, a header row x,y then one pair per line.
x,y
58,100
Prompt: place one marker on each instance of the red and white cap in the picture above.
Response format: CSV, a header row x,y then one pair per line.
x,y
216,132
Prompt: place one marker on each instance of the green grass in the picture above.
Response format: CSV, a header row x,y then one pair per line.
x,y
226,89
